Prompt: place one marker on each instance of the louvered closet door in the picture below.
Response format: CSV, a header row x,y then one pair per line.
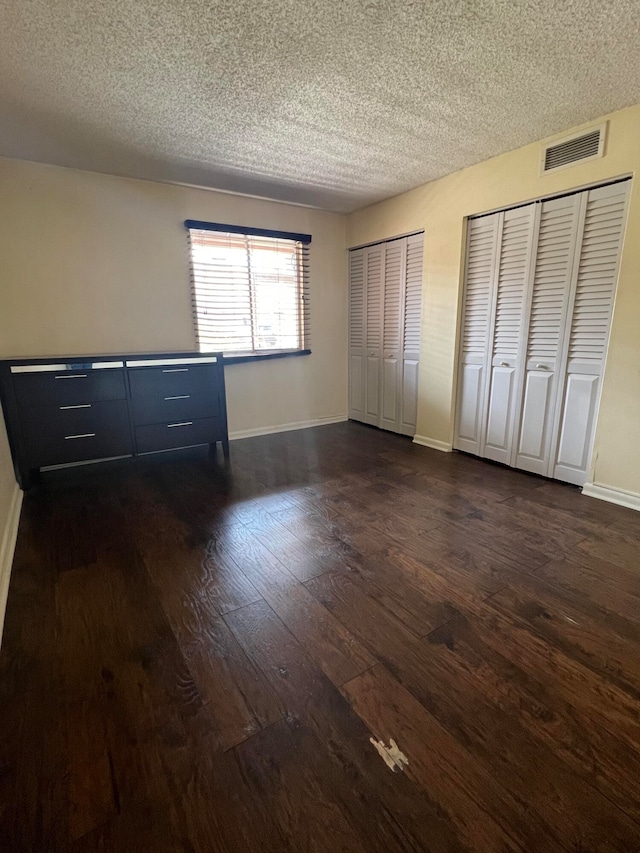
x,y
560,221
394,274
593,296
513,271
374,289
411,344
483,235
356,333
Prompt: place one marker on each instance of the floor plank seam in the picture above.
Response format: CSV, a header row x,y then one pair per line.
x,y
494,593
222,614
441,626
357,675
257,733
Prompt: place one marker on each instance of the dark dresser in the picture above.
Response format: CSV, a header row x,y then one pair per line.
x,y
61,411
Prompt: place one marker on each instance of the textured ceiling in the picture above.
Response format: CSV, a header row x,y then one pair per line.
x,y
331,103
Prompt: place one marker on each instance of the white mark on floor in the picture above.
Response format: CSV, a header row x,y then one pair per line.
x,y
569,619
391,755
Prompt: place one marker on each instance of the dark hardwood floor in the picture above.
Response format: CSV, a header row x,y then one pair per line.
x,y
195,656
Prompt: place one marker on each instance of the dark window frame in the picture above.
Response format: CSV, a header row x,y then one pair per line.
x,y
303,241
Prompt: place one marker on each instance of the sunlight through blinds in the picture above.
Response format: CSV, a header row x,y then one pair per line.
x,y
250,289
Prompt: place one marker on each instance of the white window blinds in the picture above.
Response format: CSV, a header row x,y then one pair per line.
x,y
250,289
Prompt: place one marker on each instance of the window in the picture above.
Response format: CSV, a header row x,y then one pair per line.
x,y
250,289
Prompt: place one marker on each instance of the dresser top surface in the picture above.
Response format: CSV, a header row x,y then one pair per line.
x,y
119,356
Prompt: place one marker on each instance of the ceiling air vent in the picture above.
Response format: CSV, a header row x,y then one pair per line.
x,y
572,149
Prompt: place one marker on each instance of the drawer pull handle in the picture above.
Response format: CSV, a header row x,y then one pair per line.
x,y
73,376
82,435
541,366
504,364
80,406
184,423
175,370
180,397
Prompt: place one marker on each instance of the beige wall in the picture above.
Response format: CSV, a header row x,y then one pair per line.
x,y
441,207
97,264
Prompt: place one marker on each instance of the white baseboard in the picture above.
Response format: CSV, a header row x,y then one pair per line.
x,y
7,548
269,430
433,443
612,496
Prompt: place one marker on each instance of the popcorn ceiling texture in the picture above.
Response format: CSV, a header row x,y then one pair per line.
x,y
330,103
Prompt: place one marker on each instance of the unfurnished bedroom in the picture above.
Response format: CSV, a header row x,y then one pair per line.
x,y
319,457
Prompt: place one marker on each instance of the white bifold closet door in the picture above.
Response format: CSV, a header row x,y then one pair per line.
x,y
385,289
539,290
587,335
356,333
394,273
557,237
411,307
374,294
507,318
482,242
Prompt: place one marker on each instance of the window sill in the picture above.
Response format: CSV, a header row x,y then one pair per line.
x,y
244,359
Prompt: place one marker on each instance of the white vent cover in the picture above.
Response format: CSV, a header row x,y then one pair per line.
x,y
587,145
